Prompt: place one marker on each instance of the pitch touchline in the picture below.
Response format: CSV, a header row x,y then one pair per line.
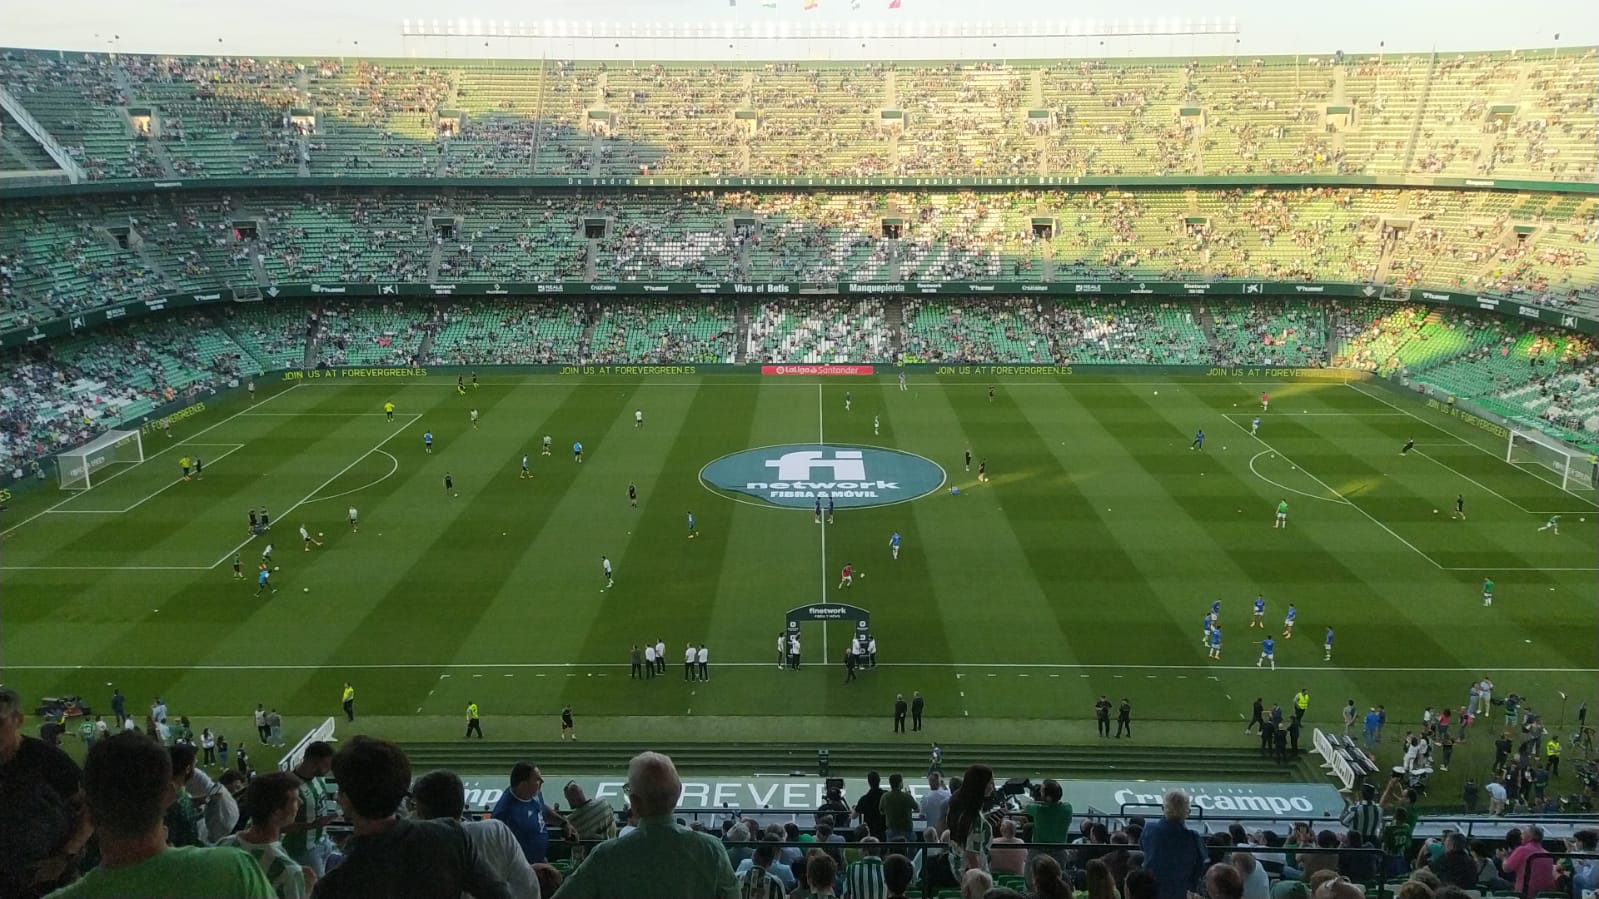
x,y
1046,666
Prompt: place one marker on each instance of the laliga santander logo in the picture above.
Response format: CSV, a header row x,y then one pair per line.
x,y
797,476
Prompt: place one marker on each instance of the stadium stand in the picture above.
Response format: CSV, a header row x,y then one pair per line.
x,y
1500,114
65,255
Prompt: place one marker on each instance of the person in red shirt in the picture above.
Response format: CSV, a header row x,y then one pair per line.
x,y
846,578
1264,401
1522,866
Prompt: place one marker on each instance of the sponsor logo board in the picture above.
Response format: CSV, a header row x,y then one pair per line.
x,y
797,476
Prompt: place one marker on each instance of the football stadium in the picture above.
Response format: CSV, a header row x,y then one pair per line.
x,y
662,435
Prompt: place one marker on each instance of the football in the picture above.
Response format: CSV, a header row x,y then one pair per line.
x,y
319,533
307,589
276,567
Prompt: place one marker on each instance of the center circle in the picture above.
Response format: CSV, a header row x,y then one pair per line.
x,y
797,475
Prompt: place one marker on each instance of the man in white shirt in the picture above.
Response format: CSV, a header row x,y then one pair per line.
x,y
934,802
690,659
702,658
660,656
649,660
440,794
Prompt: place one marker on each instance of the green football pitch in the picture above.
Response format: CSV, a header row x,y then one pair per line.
x,y
1084,565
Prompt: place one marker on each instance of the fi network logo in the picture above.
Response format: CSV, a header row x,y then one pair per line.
x,y
846,465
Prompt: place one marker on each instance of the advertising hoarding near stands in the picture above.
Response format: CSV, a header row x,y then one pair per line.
x,y
1509,306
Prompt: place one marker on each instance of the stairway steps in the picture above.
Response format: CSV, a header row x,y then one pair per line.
x,y
1120,759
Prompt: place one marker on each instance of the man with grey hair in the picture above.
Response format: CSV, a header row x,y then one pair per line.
x,y
1456,866
677,863
1173,853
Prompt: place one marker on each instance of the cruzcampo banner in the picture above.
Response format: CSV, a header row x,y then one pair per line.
x,y
805,794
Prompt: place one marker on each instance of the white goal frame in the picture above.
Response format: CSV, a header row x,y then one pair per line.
x,y
1566,462
79,468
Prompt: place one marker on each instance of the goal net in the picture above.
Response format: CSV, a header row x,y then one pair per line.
x,y
1571,467
89,464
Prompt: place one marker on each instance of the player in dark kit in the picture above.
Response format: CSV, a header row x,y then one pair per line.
x,y
632,494
449,485
1409,445
968,460
1460,506
254,523
460,385
566,724
982,471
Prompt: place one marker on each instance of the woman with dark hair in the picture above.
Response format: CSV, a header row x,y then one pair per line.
x,y
1048,880
1142,885
970,833
1100,883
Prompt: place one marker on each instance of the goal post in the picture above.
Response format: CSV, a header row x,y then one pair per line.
x,y
1572,466
86,466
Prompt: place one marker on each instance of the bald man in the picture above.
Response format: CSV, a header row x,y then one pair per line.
x,y
1339,888
1222,881
677,862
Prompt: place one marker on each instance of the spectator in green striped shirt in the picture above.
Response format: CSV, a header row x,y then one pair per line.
x,y
593,819
864,879
272,800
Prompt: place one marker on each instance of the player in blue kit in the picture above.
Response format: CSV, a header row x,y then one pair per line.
x,y
427,442
818,510
1199,440
893,544
1259,619
830,508
692,530
1326,646
1215,610
1215,642
577,452
1210,624
1288,622
262,579
1268,653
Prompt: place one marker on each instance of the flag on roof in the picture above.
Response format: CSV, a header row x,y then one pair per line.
x,y
812,4
854,4
893,4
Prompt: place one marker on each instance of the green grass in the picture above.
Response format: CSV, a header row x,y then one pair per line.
x,y
1084,567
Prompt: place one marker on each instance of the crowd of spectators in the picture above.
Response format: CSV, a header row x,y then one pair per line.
x,y
65,393
143,813
59,395
63,256
219,116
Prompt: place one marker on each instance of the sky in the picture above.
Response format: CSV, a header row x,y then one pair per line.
x,y
373,27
